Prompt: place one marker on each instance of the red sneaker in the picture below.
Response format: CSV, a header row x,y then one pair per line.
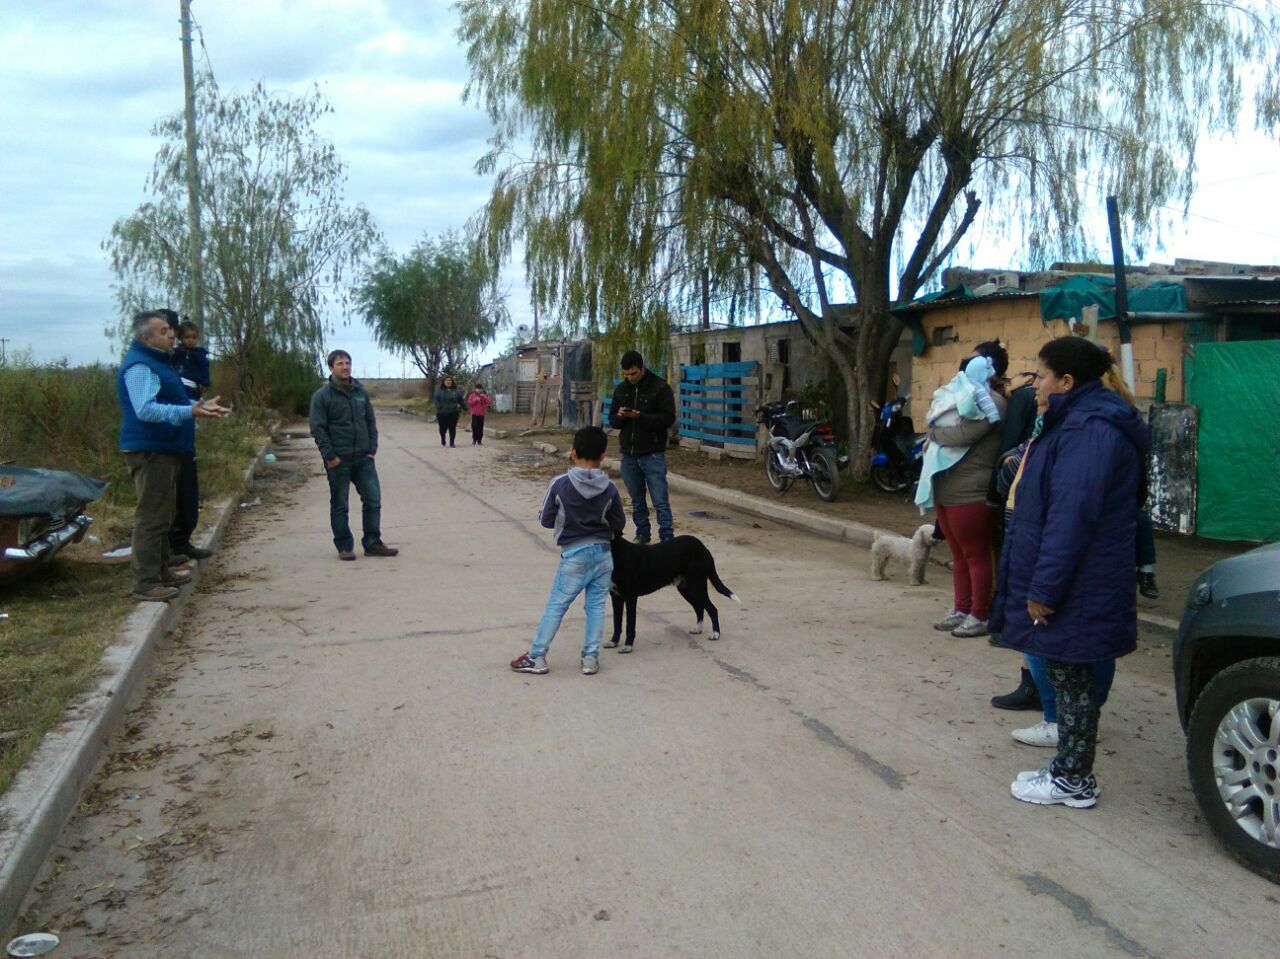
x,y
524,663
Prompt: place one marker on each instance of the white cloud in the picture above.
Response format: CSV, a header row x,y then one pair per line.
x,y
82,85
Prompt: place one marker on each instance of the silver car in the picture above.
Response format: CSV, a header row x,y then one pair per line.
x,y
1226,663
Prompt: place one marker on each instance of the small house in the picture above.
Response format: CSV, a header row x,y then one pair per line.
x,y
1206,369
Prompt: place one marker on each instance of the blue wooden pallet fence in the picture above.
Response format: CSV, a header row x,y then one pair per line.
x,y
716,407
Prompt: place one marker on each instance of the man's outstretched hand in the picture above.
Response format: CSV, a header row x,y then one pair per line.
x,y
210,409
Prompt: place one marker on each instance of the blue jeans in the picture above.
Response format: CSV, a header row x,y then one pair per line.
x,y
648,470
1104,672
360,471
584,569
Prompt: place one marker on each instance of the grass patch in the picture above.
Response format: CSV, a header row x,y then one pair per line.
x,y
61,617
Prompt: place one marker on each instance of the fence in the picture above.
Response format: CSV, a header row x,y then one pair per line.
x,y
717,408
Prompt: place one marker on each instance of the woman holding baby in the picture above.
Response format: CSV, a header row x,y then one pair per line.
x,y
960,498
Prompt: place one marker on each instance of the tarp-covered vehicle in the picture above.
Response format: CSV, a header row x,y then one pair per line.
x,y
40,512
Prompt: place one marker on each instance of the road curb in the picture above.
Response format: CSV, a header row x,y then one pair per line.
x,y
47,790
858,534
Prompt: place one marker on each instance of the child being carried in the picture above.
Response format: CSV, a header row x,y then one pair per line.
x,y
966,397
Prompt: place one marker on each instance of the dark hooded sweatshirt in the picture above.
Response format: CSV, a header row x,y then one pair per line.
x,y
583,507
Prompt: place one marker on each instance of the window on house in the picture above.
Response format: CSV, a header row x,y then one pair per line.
x,y
943,335
698,354
731,352
784,357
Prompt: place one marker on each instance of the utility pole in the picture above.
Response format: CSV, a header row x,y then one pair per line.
x,y
706,298
1122,293
4,357
193,171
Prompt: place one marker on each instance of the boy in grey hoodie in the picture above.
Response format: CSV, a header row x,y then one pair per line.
x,y
585,510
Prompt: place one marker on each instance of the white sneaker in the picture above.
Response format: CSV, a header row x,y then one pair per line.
x,y
1045,770
590,665
1041,734
950,621
970,626
1045,789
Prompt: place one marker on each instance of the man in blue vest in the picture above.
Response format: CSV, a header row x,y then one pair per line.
x,y
157,429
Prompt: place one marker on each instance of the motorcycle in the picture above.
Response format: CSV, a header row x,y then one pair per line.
x,y
898,448
800,448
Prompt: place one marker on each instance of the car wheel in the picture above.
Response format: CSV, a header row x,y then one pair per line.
x,y
1233,757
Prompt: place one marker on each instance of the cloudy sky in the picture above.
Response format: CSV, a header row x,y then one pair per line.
x,y
82,83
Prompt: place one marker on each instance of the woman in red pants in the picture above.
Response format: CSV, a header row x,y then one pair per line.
x,y
964,516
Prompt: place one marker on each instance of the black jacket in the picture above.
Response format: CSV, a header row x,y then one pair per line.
x,y
647,433
448,402
342,421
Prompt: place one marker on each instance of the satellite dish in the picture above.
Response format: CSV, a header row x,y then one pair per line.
x,y
523,329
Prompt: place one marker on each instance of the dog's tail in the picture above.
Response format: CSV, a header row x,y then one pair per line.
x,y
721,588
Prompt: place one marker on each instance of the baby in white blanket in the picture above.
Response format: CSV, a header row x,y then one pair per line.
x,y
966,397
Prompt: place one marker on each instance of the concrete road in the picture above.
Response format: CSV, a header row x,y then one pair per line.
x,y
335,761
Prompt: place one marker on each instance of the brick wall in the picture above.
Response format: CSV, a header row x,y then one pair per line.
x,y
1016,323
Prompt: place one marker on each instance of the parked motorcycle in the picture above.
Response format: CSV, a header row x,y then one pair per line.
x,y
800,449
898,448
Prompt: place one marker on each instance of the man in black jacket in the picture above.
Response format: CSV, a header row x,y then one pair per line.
x,y
344,428
643,410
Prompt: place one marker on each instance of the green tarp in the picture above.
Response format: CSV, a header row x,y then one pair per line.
x,y
1237,389
1068,298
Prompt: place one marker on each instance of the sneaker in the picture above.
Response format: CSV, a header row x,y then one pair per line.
x,y
950,621
641,540
971,626
524,663
192,550
178,559
172,577
1091,780
156,594
625,648
347,555
590,665
1046,789
1147,585
1041,734
381,549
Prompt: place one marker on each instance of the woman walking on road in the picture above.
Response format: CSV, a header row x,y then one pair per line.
x,y
478,402
1067,581
448,400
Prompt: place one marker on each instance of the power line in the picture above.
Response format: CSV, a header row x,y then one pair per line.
x,y
1238,179
1198,216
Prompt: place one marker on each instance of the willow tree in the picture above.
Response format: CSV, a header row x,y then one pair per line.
x,y
278,239
434,304
841,147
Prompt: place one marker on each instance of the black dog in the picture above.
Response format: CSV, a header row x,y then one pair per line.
x,y
640,570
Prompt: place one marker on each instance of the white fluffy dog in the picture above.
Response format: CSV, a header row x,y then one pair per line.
x,y
914,552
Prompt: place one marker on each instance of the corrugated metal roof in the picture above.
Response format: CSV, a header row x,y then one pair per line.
x,y
916,306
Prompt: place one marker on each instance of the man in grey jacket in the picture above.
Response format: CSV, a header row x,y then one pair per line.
x,y
346,432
